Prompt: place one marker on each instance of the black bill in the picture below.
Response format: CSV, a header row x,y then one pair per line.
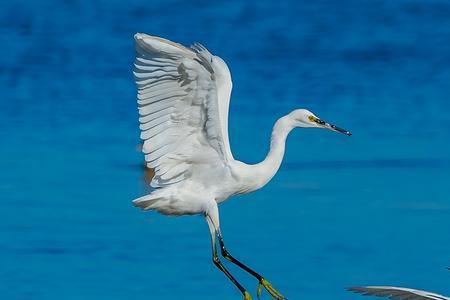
x,y
329,126
337,129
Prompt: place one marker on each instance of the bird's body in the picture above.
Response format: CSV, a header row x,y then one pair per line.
x,y
212,182
183,98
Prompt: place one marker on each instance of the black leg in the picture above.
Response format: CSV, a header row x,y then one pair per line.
x,y
228,256
219,264
262,282
221,267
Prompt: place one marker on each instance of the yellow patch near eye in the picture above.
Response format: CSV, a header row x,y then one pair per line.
x,y
312,118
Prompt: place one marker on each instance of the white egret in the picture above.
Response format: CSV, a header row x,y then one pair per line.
x,y
183,98
396,293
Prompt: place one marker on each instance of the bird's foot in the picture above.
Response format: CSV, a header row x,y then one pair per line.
x,y
273,292
247,296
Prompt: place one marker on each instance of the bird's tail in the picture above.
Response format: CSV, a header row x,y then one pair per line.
x,y
147,202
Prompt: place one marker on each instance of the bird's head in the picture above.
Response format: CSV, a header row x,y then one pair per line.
x,y
305,118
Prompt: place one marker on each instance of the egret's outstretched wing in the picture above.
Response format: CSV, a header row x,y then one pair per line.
x,y
397,293
183,98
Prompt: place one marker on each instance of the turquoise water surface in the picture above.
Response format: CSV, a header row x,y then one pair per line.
x,y
371,209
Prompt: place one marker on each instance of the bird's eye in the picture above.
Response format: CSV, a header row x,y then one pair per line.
x,y
316,120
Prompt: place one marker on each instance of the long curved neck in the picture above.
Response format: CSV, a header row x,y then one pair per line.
x,y
265,170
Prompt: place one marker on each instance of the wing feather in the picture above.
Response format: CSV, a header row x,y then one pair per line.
x,y
183,99
397,293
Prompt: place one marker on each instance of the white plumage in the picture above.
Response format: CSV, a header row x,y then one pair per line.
x,y
183,99
397,293
178,105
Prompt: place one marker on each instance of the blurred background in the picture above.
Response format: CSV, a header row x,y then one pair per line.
x,y
373,209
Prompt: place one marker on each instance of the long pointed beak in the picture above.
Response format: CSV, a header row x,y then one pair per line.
x,y
329,126
337,129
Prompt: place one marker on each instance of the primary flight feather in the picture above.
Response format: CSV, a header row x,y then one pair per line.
x,y
397,293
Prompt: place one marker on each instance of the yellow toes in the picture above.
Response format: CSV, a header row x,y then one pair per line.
x,y
247,296
258,292
273,292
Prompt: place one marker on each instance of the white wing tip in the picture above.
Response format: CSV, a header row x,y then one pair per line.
x,y
145,38
158,44
140,36
370,287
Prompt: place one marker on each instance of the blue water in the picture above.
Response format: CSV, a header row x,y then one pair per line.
x,y
370,209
